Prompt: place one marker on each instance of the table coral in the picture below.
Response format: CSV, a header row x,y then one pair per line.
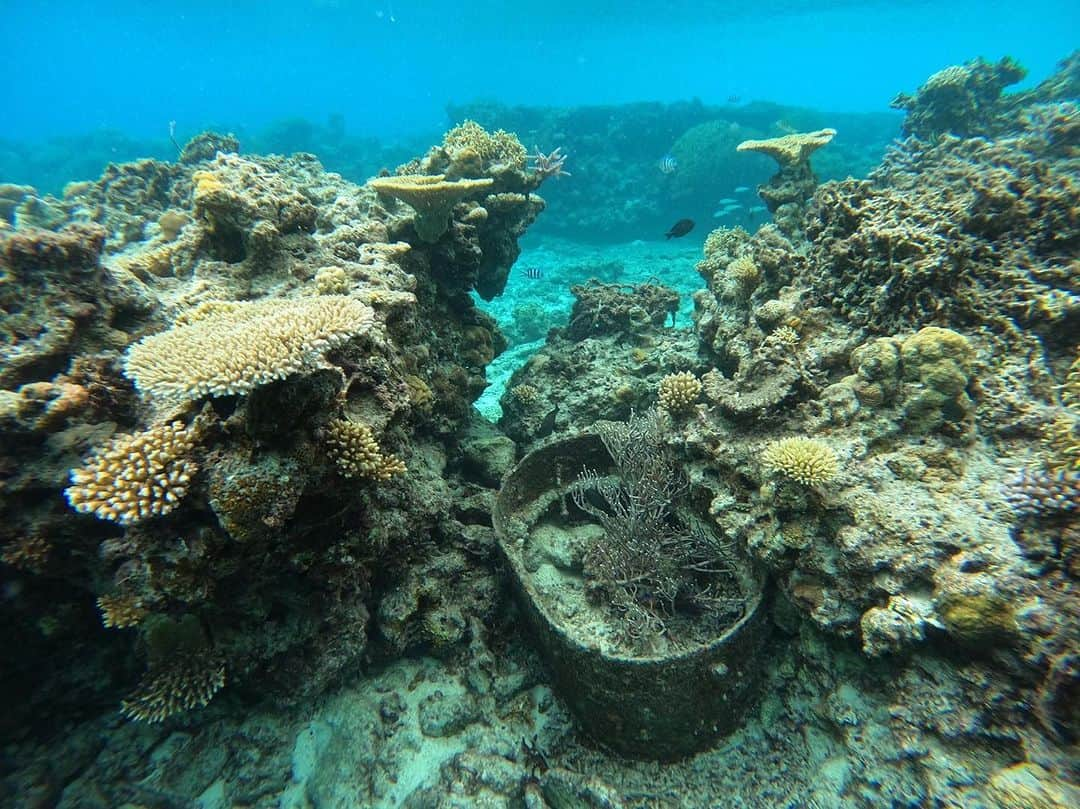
x,y
795,182
227,348
431,196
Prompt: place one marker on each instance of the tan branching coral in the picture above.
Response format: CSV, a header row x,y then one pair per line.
x,y
27,553
186,681
789,150
431,196
332,281
120,611
135,477
678,392
805,460
1061,439
226,348
354,449
1070,391
499,146
525,394
783,336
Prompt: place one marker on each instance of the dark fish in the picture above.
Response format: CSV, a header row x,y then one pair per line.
x,y
534,273
680,228
733,99
547,426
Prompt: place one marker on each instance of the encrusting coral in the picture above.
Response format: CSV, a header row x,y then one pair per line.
x,y
356,452
432,196
805,460
136,477
227,348
678,392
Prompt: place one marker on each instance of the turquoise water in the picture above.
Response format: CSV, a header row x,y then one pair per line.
x,y
123,71
563,405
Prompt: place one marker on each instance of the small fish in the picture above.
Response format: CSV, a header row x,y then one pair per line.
x,y
733,99
742,189
727,201
680,228
535,273
757,209
667,164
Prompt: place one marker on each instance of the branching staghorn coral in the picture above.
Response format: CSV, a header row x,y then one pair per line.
x,y
136,477
499,146
228,347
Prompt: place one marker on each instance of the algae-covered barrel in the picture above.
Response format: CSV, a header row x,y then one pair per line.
x,y
657,705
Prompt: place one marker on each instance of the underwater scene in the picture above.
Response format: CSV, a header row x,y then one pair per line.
x,y
518,405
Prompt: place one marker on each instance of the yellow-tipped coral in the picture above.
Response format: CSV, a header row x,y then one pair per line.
x,y
431,196
136,477
678,392
354,449
805,460
120,611
186,681
229,347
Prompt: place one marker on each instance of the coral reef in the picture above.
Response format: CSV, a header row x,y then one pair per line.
x,y
196,331
617,192
875,411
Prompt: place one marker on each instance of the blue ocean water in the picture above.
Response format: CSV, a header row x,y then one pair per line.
x,y
390,68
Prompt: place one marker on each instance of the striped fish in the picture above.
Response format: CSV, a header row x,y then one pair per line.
x,y
534,273
667,164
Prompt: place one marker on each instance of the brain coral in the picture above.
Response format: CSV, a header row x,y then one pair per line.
x,y
136,476
224,348
805,460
